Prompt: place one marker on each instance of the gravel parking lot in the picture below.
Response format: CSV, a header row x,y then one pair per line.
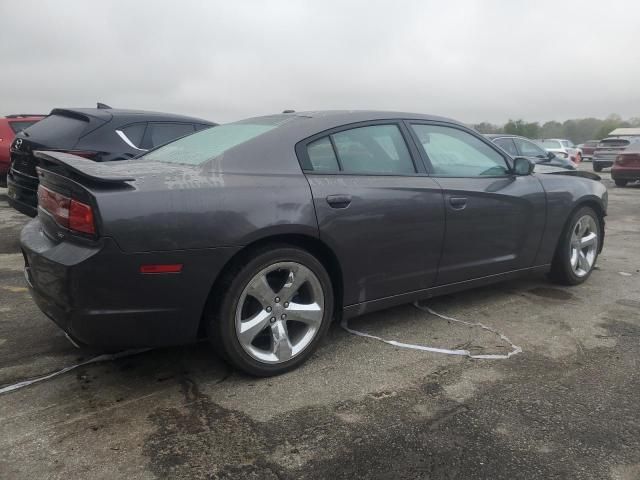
x,y
567,407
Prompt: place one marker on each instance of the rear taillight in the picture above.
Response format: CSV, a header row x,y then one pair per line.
x,y
67,212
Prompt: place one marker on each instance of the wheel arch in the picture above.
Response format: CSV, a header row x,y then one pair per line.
x,y
311,244
596,205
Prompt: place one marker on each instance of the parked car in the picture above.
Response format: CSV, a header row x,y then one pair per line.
x,y
9,126
609,149
562,148
626,166
587,148
517,146
100,134
258,233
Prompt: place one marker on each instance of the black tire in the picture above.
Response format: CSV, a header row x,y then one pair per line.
x,y
597,168
620,182
221,321
561,270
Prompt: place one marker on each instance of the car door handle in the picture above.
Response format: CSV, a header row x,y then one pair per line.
x,y
458,202
339,201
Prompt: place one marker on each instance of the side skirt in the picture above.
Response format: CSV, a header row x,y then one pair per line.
x,y
351,311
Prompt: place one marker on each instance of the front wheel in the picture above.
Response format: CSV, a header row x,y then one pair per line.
x,y
597,168
620,182
277,307
578,248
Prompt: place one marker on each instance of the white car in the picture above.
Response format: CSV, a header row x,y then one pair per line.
x,y
563,148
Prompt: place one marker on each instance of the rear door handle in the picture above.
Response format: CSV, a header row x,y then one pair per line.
x,y
458,202
339,201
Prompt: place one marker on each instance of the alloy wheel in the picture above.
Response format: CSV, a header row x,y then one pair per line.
x,y
279,312
584,245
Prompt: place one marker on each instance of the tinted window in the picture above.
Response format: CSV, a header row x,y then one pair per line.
x,y
161,133
507,145
207,144
375,149
529,149
19,126
455,153
321,156
134,133
58,130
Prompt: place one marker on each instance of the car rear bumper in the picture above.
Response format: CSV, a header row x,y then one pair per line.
x,y
97,295
625,173
602,162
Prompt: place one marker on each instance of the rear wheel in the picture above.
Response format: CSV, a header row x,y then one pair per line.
x,y
276,309
578,248
620,182
597,168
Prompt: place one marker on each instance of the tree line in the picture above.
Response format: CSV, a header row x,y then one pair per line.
x,y
577,130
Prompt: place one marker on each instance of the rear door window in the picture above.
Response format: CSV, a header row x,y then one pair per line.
x,y
376,149
161,133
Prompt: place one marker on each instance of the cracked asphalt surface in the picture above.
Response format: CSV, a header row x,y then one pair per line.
x,y
567,407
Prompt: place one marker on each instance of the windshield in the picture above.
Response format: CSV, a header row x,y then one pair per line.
x,y
206,144
550,144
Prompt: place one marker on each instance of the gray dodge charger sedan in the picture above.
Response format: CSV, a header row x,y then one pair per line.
x,y
256,234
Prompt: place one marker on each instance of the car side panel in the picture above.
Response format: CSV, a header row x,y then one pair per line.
x,y
498,230
180,209
389,239
565,194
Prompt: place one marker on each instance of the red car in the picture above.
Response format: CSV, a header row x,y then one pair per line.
x,y
588,148
9,126
626,166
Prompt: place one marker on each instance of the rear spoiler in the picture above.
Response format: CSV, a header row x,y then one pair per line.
x,y
94,171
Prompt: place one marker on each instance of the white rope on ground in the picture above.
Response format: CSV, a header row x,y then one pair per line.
x,y
514,348
99,358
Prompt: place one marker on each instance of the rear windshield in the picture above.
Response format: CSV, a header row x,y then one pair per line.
x,y
18,126
613,142
58,131
550,144
206,144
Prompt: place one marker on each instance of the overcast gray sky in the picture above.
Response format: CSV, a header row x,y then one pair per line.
x,y
224,60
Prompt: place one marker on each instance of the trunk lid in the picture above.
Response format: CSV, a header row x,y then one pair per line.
x,y
610,148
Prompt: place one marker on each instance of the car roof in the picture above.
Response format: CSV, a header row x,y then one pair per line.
x,y
107,114
307,123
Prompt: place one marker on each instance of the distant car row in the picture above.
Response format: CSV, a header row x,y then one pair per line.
x,y
517,146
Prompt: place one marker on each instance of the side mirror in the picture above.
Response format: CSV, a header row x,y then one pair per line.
x,y
523,166
551,155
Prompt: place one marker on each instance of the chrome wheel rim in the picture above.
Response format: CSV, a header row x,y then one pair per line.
x,y
279,312
584,245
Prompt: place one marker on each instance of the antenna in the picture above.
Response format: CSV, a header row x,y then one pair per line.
x,y
103,106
